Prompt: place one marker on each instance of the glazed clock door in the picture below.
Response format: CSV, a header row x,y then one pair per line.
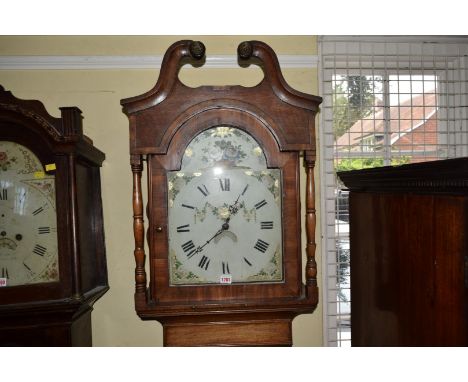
x,y
224,207
28,221
220,221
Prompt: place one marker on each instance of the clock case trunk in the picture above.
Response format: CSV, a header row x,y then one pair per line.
x,y
58,313
163,121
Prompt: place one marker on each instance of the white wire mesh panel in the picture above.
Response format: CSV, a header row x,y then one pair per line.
x,y
387,101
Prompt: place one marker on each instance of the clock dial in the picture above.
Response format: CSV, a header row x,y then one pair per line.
x,y
225,212
28,223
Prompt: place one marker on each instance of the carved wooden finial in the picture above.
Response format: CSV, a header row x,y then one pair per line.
x,y
245,50
197,49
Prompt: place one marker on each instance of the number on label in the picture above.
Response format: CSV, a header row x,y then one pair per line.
x,y
4,194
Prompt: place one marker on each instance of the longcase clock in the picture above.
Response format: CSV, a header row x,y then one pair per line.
x,y
223,209
52,254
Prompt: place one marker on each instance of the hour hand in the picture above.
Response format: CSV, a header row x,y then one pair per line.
x,y
234,208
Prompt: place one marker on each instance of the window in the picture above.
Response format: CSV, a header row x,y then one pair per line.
x,y
387,101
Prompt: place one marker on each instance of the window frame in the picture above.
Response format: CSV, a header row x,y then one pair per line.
x,y
417,66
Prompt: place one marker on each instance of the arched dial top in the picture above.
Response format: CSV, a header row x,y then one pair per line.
x,y
223,147
224,212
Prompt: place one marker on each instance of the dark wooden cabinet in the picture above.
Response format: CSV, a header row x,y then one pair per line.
x,y
409,259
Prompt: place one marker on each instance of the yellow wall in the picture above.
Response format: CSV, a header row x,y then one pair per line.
x,y
97,93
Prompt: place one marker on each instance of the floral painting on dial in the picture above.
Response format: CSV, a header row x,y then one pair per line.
x,y
223,146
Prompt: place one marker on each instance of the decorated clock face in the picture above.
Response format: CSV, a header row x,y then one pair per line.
x,y
224,208
28,222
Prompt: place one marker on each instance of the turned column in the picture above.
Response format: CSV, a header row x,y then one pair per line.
x,y
138,225
310,222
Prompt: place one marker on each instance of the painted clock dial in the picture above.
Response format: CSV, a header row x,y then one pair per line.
x,y
28,222
224,208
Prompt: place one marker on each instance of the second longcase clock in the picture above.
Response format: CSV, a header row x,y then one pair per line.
x,y
224,235
52,249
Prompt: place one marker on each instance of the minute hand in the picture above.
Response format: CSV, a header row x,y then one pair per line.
x,y
200,248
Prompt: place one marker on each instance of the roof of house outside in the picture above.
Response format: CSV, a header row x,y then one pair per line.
x,y
405,118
